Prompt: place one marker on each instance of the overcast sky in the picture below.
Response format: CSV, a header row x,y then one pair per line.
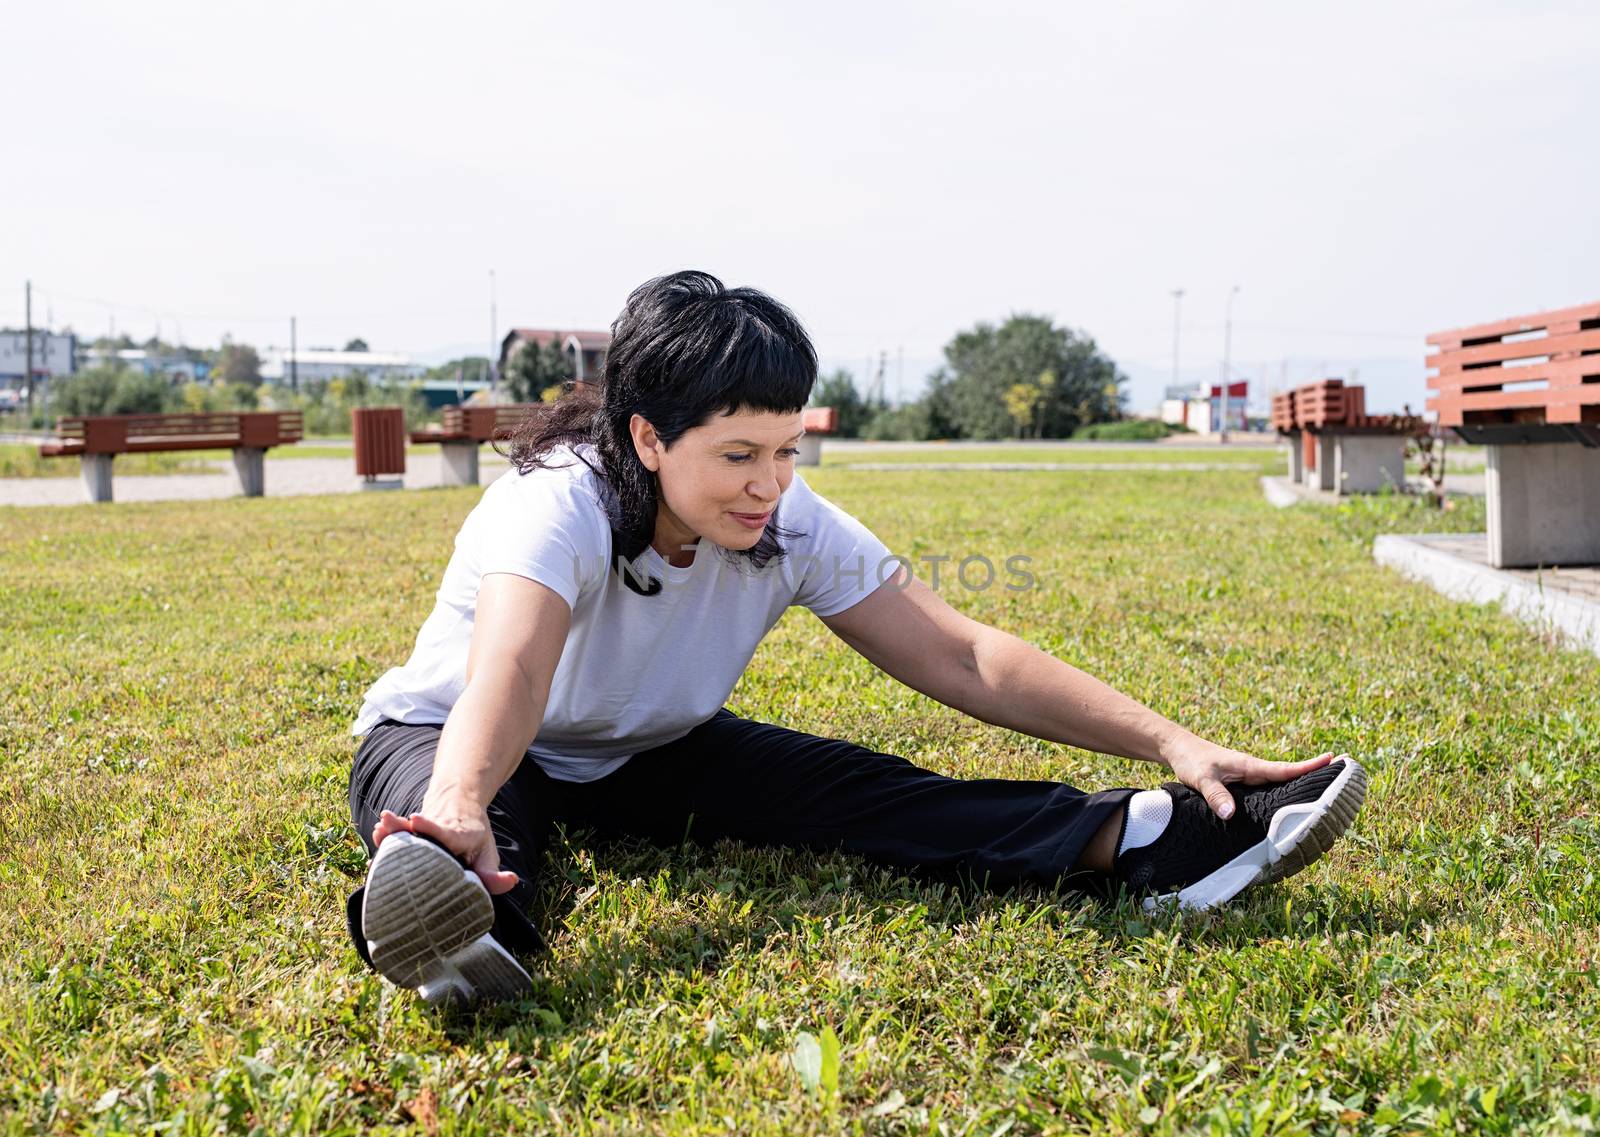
x,y
1365,173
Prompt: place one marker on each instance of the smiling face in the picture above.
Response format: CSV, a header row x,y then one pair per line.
x,y
720,480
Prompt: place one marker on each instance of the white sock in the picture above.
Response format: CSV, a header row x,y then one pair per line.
x,y
1148,814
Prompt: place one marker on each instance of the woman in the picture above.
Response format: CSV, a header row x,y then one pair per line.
x,y
603,599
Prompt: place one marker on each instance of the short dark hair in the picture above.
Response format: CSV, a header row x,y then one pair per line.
x,y
684,349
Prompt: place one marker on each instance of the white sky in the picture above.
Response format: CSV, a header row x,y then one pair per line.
x,y
1366,173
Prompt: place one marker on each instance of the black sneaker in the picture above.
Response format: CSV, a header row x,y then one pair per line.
x,y
426,918
1276,830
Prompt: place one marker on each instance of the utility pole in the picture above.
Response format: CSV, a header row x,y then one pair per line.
x,y
1177,310
294,358
27,292
494,367
1227,360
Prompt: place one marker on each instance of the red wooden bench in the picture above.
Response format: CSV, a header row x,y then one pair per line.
x,y
1335,444
818,423
98,439
463,429
1528,388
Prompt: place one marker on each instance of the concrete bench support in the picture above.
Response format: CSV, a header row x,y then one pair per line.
x,y
97,476
810,451
1365,463
1297,459
458,463
1544,504
1322,478
250,470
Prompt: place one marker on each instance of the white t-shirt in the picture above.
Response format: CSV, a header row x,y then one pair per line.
x,y
636,671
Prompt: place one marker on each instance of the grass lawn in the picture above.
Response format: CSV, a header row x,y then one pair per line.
x,y
175,849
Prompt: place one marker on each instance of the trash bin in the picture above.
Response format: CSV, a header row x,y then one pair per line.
x,y
380,443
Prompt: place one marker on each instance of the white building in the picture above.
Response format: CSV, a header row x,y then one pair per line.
x,y
52,355
315,363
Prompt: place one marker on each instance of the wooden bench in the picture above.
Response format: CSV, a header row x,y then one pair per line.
x,y
463,429
1334,444
98,439
819,422
1528,389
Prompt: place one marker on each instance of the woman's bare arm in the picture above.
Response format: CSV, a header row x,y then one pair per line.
x,y
518,633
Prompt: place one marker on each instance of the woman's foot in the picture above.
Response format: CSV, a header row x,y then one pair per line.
x,y
426,920
1173,846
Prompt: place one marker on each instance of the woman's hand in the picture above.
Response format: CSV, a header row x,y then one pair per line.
x,y
459,826
1207,768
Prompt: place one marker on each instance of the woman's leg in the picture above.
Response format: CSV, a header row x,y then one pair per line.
x,y
769,785
391,771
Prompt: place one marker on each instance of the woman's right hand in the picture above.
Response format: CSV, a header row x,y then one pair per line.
x,y
458,826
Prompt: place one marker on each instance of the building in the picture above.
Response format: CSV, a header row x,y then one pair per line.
x,y
1201,412
307,365
177,368
53,354
586,351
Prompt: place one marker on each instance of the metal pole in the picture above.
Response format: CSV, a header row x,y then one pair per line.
x,y
494,361
1227,360
294,358
27,374
1177,309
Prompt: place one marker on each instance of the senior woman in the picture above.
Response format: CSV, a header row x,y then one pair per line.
x,y
602,601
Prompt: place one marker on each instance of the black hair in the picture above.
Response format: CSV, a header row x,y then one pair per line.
x,y
684,349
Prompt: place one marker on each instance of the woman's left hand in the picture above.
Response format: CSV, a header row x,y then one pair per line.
x,y
1207,768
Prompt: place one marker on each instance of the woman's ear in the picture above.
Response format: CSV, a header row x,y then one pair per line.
x,y
645,441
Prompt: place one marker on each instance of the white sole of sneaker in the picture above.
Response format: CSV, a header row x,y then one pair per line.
x,y
1297,836
426,920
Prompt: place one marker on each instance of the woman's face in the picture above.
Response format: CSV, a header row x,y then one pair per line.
x,y
720,480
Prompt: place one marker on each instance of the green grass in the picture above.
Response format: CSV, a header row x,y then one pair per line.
x,y
22,460
175,849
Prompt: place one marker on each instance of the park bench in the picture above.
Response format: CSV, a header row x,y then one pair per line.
x,y
463,429
819,422
1528,389
98,439
1334,444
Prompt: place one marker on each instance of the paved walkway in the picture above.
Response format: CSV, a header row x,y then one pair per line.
x,y
1282,492
289,477
286,477
1248,467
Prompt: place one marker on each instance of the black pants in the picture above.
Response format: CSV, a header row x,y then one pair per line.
x,y
763,785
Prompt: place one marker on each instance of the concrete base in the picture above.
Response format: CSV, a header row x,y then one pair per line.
x,y
250,469
1562,602
460,463
1297,460
1322,478
1365,463
1544,504
97,476
810,451
382,484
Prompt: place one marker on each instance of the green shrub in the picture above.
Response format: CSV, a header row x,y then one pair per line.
x,y
1125,430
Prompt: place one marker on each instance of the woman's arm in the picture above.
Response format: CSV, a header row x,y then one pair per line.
x,y
908,630
518,632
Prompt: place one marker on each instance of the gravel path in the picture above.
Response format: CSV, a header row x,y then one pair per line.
x,y
286,477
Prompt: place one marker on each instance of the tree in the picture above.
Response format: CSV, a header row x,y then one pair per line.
x,y
239,363
357,344
838,391
532,370
1027,376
